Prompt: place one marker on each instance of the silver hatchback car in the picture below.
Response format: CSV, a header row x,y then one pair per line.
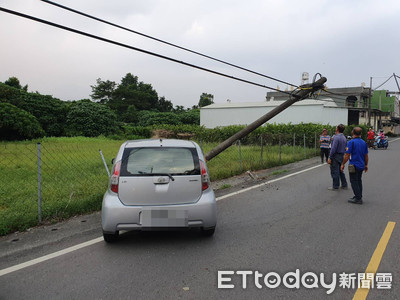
x,y
156,185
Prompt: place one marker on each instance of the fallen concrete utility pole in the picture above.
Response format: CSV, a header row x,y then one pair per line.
x,y
304,91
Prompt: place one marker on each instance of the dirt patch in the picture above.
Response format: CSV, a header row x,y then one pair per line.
x,y
162,134
169,134
254,177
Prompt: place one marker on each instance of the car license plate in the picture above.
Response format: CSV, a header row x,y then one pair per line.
x,y
164,218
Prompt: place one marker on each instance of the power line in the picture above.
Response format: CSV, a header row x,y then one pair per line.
x,y
162,41
383,83
133,48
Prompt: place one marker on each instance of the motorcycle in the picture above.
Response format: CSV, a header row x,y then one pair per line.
x,y
381,143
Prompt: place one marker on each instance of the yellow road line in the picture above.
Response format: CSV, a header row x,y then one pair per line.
x,y
376,258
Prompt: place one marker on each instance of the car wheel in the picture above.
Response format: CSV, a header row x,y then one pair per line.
x,y
207,232
111,237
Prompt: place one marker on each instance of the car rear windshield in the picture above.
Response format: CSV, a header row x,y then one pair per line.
x,y
150,161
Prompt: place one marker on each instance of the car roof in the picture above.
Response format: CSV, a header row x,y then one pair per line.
x,y
159,142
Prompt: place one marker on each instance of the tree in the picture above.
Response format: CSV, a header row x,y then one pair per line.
x,y
14,82
103,92
130,116
129,93
179,108
90,119
129,80
18,124
132,92
191,117
206,99
149,118
50,112
164,105
151,94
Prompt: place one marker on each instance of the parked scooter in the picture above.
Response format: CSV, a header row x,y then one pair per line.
x,y
381,143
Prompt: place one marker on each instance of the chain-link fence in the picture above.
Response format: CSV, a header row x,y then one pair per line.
x,y
271,150
51,181
59,178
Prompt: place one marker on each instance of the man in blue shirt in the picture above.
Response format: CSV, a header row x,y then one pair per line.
x,y
357,151
338,147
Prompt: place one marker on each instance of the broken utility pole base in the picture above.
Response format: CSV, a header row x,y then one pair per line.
x,y
303,92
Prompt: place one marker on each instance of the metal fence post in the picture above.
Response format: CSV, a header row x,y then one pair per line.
x,y
315,143
262,150
240,156
39,159
105,164
304,138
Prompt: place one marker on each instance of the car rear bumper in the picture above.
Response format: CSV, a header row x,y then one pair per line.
x,y
116,216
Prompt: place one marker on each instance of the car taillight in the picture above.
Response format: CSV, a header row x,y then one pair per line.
x,y
115,177
204,176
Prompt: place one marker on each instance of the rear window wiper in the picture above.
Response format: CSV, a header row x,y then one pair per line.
x,y
164,174
157,174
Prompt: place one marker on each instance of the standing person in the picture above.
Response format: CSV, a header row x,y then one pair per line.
x,y
370,138
338,147
357,151
324,141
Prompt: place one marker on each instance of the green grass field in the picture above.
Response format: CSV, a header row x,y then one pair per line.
x,y
74,178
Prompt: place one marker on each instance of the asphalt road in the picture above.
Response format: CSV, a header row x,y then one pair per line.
x,y
292,224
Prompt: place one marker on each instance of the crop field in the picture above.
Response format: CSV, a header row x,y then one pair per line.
x,y
74,178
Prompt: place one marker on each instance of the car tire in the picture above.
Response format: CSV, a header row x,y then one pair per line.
x,y
207,231
111,237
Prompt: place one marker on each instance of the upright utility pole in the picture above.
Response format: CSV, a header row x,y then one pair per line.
x,y
369,101
395,78
304,91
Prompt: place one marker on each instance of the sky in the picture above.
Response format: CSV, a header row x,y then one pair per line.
x,y
348,42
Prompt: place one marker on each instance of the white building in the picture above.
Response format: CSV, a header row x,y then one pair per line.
x,y
324,111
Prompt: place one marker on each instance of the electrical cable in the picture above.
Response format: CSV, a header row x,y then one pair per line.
x,y
135,48
383,83
336,94
164,42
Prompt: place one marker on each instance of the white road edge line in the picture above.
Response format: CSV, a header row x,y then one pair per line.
x,y
394,140
99,239
49,256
